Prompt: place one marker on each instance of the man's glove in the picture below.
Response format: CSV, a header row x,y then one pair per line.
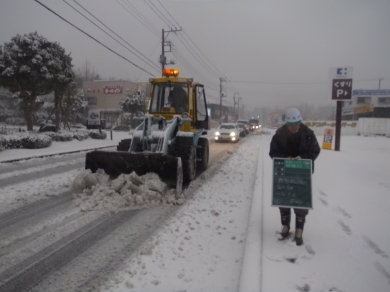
x,y
297,158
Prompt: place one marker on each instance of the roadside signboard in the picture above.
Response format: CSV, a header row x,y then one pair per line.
x,y
341,89
291,185
94,118
340,80
335,77
340,73
328,137
371,92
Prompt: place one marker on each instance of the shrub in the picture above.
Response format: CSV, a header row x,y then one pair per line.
x,y
30,140
98,135
25,140
80,134
60,136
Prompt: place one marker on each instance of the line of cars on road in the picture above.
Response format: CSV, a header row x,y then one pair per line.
x,y
232,132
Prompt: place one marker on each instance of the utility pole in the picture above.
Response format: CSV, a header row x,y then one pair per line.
x,y
234,110
380,79
238,111
164,43
220,98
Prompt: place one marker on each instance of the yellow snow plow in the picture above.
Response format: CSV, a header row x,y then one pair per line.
x,y
168,140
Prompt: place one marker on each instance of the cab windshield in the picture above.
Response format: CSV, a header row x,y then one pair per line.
x,y
169,97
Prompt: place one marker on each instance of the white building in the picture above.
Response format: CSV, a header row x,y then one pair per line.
x,y
367,103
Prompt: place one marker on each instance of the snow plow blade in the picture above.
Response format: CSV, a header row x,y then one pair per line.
x,y
169,168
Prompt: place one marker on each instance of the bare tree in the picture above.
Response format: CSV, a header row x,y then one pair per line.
x,y
85,73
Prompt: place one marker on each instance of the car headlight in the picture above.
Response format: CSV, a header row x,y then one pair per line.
x,y
232,134
217,134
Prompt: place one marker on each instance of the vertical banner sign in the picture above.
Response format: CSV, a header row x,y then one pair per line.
x,y
328,137
291,185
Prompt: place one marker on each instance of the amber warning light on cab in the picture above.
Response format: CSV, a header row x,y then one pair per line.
x,y
171,72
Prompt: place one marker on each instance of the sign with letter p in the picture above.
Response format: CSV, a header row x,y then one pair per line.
x,y
341,89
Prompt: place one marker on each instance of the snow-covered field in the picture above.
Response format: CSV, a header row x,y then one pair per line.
x,y
225,237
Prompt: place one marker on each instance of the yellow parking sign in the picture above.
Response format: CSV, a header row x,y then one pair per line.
x,y
328,137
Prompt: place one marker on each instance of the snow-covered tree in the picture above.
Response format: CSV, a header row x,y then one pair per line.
x,y
73,107
33,66
63,81
132,103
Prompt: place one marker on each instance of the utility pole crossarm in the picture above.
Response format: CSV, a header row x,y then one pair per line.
x,y
163,59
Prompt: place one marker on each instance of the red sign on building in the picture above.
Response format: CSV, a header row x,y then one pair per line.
x,y
113,89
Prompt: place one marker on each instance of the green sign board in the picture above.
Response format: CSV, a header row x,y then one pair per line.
x,y
292,183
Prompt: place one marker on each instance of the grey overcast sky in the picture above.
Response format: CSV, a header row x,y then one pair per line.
x,y
272,53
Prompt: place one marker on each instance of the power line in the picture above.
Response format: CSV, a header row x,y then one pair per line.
x,y
203,54
192,41
138,15
169,13
295,83
147,61
278,83
161,13
139,76
197,57
92,37
157,14
186,63
182,40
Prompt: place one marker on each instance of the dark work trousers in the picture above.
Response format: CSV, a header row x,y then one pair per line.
x,y
300,215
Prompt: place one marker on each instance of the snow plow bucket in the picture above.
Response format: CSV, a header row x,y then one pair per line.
x,y
168,168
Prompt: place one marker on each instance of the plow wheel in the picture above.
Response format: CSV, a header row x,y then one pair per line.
x,y
202,153
124,145
188,157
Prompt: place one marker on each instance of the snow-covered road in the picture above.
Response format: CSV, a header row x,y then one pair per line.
x,y
225,236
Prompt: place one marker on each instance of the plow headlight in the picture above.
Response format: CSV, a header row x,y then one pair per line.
x,y
185,115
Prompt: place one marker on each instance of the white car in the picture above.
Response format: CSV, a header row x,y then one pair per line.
x,y
227,132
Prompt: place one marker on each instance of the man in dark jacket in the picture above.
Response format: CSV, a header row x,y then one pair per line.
x,y
294,140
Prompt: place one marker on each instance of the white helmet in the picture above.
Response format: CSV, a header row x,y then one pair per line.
x,y
293,117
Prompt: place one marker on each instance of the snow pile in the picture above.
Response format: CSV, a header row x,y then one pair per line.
x,y
96,191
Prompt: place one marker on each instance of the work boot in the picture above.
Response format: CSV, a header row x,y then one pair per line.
x,y
298,236
285,231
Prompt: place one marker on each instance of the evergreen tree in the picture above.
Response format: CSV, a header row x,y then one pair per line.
x,y
30,65
132,103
